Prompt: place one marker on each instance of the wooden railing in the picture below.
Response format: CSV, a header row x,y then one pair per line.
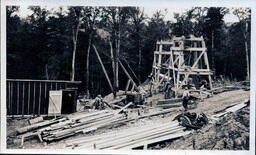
x,y
31,97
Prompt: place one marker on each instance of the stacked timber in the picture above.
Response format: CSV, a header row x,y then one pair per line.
x,y
82,123
230,109
169,103
69,125
130,138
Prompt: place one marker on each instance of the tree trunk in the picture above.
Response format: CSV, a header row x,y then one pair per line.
x,y
247,53
117,59
87,65
73,62
113,57
46,72
139,63
213,54
75,34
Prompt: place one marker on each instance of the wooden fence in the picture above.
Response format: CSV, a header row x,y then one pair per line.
x,y
31,97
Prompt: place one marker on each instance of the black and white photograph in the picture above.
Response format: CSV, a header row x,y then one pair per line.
x,y
117,77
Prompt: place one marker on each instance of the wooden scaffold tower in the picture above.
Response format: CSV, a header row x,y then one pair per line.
x,y
181,61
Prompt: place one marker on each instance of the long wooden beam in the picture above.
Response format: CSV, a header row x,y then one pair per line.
x,y
127,74
103,68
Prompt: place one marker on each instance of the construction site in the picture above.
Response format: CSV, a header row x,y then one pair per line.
x,y
180,106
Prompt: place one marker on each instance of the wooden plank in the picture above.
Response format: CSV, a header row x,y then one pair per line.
x,y
84,128
131,144
172,105
76,116
45,98
39,98
193,66
9,98
127,86
18,97
126,106
32,80
103,68
127,134
38,125
23,97
34,99
12,91
169,101
127,74
107,143
28,98
163,138
115,133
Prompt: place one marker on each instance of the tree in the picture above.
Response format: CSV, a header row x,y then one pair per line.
x,y
114,19
244,17
76,13
90,16
213,29
137,29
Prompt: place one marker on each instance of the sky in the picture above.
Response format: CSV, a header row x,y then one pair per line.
x,y
149,11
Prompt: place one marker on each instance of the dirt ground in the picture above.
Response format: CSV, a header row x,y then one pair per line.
x,y
229,133
208,106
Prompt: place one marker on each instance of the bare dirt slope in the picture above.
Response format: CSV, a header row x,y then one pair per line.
x,y
229,133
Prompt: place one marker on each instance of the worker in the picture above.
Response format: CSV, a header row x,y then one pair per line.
x,y
185,98
98,102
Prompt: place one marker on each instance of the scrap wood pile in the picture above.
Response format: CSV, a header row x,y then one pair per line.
x,y
131,138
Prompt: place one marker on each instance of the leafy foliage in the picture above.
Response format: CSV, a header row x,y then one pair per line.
x,y
40,46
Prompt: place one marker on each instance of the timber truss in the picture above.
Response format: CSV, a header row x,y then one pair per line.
x,y
181,60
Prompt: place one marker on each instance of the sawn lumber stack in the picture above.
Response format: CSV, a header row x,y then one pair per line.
x,y
130,138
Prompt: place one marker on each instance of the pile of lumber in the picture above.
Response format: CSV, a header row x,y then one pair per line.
x,y
82,123
230,109
224,89
69,125
169,103
130,138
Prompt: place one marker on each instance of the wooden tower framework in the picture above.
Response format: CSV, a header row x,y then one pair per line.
x,y
181,59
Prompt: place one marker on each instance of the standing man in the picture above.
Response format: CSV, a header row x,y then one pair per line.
x,y
185,98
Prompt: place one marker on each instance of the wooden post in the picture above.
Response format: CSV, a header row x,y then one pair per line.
x,y
39,102
23,97
45,99
34,99
127,86
28,96
195,63
18,97
159,61
9,97
173,71
127,74
103,68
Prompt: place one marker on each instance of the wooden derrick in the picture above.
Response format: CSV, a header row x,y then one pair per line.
x,y
179,59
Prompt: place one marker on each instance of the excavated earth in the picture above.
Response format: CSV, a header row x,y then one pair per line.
x,y
229,133
221,135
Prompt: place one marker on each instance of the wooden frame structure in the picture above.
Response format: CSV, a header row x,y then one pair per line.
x,y
181,59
